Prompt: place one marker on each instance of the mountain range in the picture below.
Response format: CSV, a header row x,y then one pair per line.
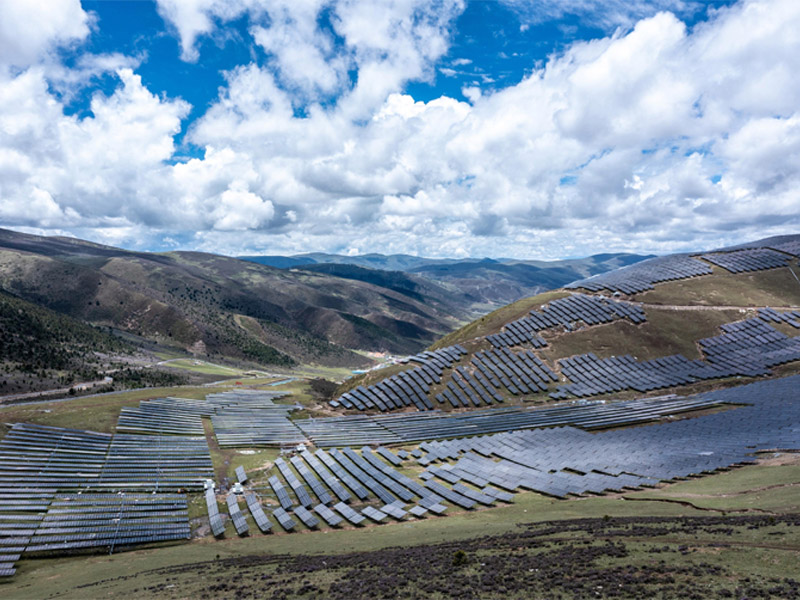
x,y
486,283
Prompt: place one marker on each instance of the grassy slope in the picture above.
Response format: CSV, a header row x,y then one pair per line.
x,y
222,306
494,321
774,287
666,332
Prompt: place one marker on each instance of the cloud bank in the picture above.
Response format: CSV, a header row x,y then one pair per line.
x,y
655,137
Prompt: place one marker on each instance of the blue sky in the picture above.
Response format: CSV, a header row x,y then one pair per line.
x,y
529,128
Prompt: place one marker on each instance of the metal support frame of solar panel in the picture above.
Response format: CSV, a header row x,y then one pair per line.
x,y
747,260
643,275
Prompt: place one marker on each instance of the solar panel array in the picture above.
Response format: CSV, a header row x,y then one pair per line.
x,y
770,315
16,531
49,458
91,488
157,463
643,275
518,372
81,521
417,427
251,418
158,419
547,450
408,388
749,259
564,312
257,512
240,418
748,348
566,460
239,522
592,376
789,247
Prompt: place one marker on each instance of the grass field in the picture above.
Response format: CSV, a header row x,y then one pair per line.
x,y
96,413
664,333
201,366
494,321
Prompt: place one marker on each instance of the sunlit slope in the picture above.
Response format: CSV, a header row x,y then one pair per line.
x,y
675,323
212,305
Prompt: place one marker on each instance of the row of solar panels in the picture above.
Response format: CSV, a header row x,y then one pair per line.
x,y
519,374
771,315
155,418
746,260
407,388
522,372
355,430
643,275
52,458
750,347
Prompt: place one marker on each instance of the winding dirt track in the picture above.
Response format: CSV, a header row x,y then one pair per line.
x,y
700,307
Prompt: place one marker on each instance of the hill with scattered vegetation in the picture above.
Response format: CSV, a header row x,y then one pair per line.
x,y
214,306
651,328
